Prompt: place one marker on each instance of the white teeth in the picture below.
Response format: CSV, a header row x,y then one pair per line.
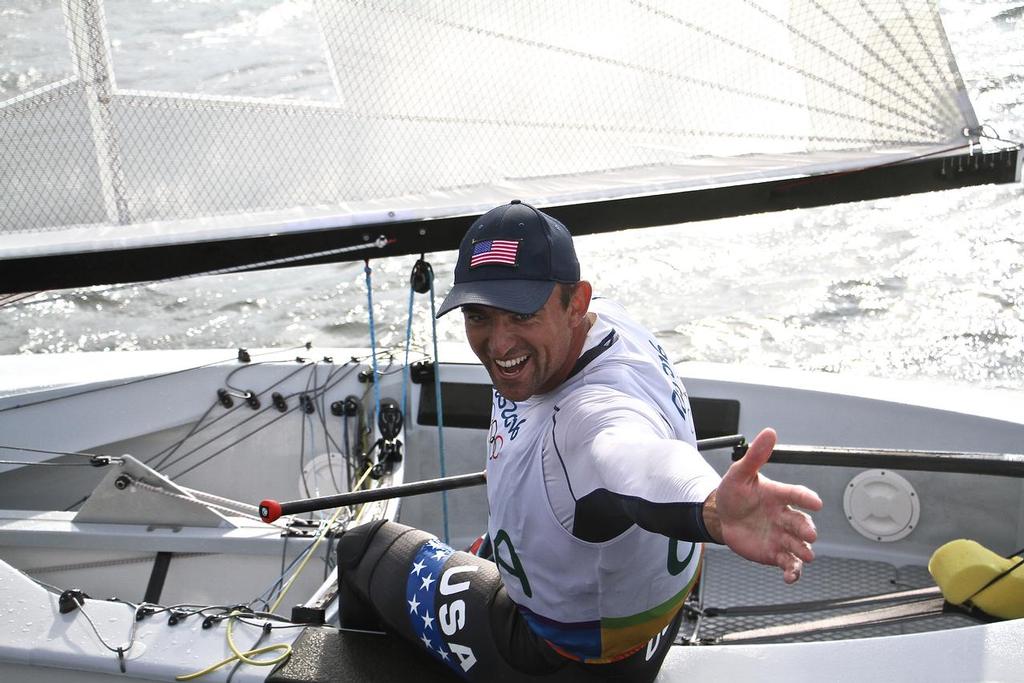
x,y
509,364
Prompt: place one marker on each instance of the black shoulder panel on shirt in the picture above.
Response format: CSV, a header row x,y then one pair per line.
x,y
601,515
593,352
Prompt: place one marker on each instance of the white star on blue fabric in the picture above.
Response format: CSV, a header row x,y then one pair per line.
x,y
413,605
426,642
427,580
441,653
440,554
417,568
428,621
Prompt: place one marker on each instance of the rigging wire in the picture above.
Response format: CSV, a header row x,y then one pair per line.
x,y
163,462
173,448
137,380
112,458
437,400
308,409
256,414
302,442
321,533
329,439
17,298
373,340
199,426
408,340
47,464
119,651
422,281
248,656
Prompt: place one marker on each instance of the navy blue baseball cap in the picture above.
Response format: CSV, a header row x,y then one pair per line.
x,y
511,258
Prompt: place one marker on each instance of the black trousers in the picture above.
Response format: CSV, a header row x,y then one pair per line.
x,y
453,605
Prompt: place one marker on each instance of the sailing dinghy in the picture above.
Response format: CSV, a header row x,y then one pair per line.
x,y
129,541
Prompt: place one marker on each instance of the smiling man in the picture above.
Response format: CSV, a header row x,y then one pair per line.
x,y
599,502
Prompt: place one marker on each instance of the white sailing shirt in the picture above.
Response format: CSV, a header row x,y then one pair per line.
x,y
596,491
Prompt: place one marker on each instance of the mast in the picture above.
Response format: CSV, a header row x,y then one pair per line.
x,y
90,51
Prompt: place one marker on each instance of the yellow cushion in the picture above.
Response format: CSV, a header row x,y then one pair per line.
x,y
961,567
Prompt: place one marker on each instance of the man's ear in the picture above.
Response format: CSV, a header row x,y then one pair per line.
x,y
580,302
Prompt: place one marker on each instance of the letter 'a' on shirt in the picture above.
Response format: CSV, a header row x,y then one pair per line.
x,y
595,492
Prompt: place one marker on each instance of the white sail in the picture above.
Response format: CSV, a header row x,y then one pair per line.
x,y
434,109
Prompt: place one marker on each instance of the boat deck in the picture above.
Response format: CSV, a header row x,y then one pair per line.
x,y
730,581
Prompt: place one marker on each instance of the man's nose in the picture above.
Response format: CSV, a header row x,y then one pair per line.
x,y
503,337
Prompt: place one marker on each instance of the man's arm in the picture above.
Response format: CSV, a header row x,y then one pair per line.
x,y
755,516
610,463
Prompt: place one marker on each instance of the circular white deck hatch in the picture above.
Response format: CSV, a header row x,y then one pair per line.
x,y
881,505
324,475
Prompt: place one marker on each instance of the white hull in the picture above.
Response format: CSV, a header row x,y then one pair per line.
x,y
824,410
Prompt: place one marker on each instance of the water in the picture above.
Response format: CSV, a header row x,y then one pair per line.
x,y
924,287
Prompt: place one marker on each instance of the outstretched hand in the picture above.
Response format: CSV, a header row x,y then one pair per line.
x,y
755,516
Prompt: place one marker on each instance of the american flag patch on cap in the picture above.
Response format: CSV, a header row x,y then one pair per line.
x,y
494,252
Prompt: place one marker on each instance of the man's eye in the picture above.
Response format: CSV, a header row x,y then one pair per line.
x,y
523,316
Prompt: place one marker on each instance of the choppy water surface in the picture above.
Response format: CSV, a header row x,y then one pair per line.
x,y
930,286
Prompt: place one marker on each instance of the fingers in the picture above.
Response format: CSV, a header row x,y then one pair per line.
x,y
792,558
799,525
758,452
803,497
792,570
795,545
798,543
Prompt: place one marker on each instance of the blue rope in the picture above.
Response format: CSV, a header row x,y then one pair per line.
x,y
437,400
373,342
405,366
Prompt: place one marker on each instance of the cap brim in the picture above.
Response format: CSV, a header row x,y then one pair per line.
x,y
517,296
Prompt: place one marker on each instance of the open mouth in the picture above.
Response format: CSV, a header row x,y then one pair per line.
x,y
512,366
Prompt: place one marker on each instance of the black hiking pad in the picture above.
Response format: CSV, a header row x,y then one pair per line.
x,y
327,655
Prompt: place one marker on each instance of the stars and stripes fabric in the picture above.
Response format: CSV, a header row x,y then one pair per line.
x,y
419,594
494,252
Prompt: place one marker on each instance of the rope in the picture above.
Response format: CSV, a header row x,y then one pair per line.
x,y
225,508
200,424
437,400
999,576
321,534
373,339
111,458
238,655
163,464
46,464
120,651
117,386
408,342
379,243
7,299
422,281
319,390
237,504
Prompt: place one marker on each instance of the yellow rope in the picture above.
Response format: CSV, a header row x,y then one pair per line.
x,y
246,656
316,544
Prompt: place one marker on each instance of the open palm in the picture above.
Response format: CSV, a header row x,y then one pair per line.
x,y
757,516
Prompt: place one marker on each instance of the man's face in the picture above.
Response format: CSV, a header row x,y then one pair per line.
x,y
526,354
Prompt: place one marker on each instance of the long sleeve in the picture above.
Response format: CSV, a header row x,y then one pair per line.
x,y
610,462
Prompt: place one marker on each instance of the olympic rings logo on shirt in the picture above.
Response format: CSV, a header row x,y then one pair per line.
x,y
494,441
